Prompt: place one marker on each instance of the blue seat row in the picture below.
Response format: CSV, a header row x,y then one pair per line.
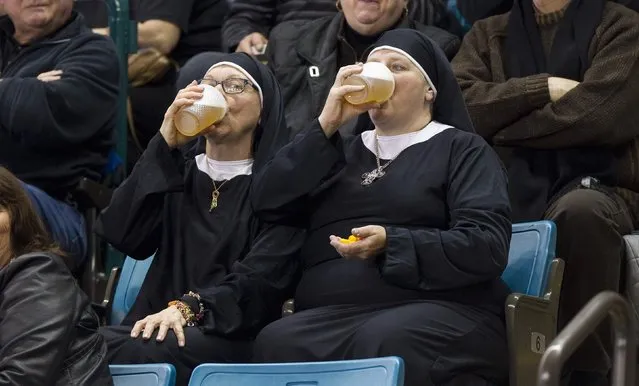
x,y
387,371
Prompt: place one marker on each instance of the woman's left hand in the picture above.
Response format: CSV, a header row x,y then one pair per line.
x,y
169,318
372,242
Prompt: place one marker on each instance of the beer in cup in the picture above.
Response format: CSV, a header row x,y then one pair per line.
x,y
207,111
378,83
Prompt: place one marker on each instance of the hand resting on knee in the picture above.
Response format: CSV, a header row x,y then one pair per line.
x,y
169,318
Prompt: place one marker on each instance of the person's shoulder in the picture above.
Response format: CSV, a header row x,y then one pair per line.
x,y
88,38
37,265
615,8
448,42
461,140
95,50
618,17
435,33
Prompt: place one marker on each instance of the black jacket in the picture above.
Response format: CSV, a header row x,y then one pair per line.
x,y
48,331
53,134
248,16
296,46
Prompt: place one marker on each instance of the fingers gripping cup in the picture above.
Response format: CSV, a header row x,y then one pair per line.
x,y
378,83
207,111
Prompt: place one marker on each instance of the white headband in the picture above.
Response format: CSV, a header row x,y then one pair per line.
x,y
402,52
243,71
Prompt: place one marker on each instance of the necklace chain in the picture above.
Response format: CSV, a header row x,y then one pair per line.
x,y
373,175
215,194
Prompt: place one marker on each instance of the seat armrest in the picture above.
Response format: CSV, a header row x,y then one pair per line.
x,y
91,194
631,290
531,324
104,309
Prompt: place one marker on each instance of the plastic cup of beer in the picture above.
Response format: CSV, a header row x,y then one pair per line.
x,y
378,83
207,111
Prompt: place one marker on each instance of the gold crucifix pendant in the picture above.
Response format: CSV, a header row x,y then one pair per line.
x,y
214,197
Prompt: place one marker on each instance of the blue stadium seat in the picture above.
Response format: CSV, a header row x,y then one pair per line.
x,y
534,275
532,250
388,371
131,278
160,374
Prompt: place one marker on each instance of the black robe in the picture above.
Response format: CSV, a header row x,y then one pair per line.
x,y
163,208
444,205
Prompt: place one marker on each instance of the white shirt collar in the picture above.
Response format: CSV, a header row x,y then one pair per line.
x,y
391,146
223,170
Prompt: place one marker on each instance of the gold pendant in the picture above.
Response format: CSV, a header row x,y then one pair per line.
x,y
214,197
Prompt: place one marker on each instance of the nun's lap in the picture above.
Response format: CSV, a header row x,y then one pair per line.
x,y
440,342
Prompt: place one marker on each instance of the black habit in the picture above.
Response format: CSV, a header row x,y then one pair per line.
x,y
434,296
163,208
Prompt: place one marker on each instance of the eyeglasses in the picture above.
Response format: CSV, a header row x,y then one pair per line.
x,y
230,85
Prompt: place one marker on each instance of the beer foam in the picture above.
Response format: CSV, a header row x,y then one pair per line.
x,y
211,97
377,70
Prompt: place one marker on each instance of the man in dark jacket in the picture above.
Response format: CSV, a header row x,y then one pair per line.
x,y
305,57
58,93
553,85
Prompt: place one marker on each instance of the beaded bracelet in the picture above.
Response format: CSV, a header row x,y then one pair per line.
x,y
200,312
185,310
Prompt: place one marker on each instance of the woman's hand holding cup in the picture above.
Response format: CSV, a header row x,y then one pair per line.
x,y
337,110
185,97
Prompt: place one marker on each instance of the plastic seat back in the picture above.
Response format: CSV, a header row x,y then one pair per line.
x,y
532,250
159,374
388,371
131,279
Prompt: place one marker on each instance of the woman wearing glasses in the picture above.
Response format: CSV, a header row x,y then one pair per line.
x,y
197,288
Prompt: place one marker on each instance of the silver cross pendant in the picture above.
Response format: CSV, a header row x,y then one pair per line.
x,y
370,177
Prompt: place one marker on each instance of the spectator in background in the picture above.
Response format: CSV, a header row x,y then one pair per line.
x,y
305,56
58,93
48,330
249,22
175,30
561,107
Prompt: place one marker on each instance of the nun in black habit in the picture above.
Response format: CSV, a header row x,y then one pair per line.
x,y
428,200
195,215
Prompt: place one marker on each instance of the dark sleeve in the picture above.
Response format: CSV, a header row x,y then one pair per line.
x,y
474,248
252,295
38,308
602,109
492,104
176,12
67,112
246,17
308,161
132,222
